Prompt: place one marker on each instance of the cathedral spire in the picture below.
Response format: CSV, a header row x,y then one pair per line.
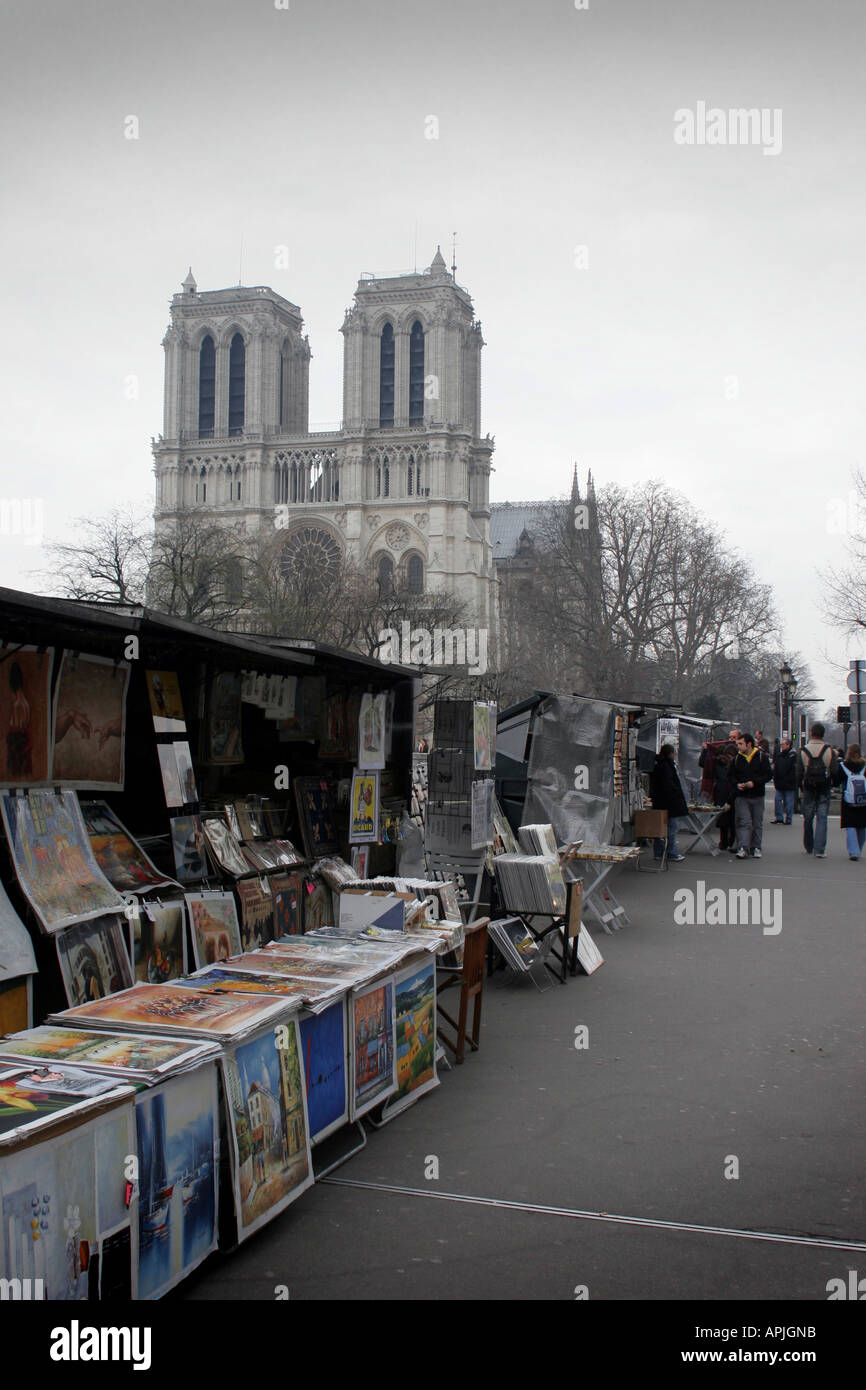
x,y
189,285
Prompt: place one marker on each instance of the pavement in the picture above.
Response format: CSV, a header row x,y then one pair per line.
x,y
705,1144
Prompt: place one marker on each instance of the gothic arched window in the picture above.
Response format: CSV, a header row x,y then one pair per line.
x,y
410,476
385,574
237,384
386,477
415,574
386,376
206,387
416,374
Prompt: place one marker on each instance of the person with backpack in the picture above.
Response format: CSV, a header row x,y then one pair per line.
x,y
785,782
816,773
853,769
750,773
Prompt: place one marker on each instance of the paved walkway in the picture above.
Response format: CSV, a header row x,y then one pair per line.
x,y
711,1049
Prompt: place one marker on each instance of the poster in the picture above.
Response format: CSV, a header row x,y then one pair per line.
x,y
123,862
316,815
25,715
268,1125
257,913
90,722
166,705
157,939
214,925
93,959
364,817
415,1011
287,890
63,1212
187,843
484,735
668,731
323,1050
223,724
372,1042
371,731
177,1129
53,860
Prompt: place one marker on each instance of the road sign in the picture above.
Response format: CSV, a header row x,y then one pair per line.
x,y
857,680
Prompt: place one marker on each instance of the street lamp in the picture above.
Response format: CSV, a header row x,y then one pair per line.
x,y
787,691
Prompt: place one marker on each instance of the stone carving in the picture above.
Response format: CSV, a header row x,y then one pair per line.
x,y
420,519
373,522
341,520
397,536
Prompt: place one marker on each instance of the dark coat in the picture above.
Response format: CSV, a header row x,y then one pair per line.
x,y
852,816
665,788
723,790
758,770
785,771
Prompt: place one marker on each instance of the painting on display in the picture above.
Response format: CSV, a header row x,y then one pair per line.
x,y
123,862
215,929
223,723
90,722
177,1128
257,913
120,1052
93,960
185,774
316,816
371,731
415,1009
171,787
221,979
374,1075
484,735
63,1211
318,905
157,938
166,704
287,890
268,1124
323,1049
187,843
53,859
25,716
364,816
174,1009
668,731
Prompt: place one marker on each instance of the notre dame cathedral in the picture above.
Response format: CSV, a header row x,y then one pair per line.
x,y
402,488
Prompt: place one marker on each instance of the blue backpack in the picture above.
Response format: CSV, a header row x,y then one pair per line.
x,y
855,787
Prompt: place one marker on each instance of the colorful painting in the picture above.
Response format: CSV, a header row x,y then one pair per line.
x,y
316,815
166,705
93,959
257,913
364,819
158,942
374,1075
220,979
123,862
484,735
121,1052
323,1049
223,726
287,890
90,722
216,933
177,1127
33,1098
63,1213
318,906
25,716
316,992
415,1009
187,842
170,1007
269,1128
53,860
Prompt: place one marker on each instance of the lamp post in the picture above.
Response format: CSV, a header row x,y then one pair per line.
x,y
787,689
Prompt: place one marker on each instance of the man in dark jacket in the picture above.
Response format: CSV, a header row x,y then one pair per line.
x,y
785,782
750,774
667,794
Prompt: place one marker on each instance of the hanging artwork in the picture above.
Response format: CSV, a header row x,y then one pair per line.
x,y
177,1127
25,716
371,731
93,960
484,735
372,1042
415,1010
187,842
157,938
318,906
223,723
364,815
90,722
123,862
268,1125
185,772
323,1049
53,859
257,913
316,816
166,705
170,776
215,930
288,908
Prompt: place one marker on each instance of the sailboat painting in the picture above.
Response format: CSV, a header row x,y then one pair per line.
x,y
177,1126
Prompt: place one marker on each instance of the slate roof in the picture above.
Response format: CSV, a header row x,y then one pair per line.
x,y
508,520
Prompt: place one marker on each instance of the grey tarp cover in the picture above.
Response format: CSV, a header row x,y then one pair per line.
x,y
568,734
692,736
16,948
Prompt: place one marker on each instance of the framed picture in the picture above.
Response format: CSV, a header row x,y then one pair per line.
x,y
90,722
364,813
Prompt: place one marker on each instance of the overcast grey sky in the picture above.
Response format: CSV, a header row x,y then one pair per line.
x,y
692,312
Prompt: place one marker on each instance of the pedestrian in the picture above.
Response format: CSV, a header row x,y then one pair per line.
x,y
750,774
667,794
785,782
723,794
816,773
762,742
853,818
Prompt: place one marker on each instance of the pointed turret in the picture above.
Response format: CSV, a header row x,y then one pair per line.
x,y
189,285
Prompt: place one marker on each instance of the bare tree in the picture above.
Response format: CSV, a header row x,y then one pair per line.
x,y
108,564
844,589
197,570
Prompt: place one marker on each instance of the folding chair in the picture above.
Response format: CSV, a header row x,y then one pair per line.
x,y
442,865
470,979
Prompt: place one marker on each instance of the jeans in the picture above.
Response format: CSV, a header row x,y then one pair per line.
x,y
673,845
784,805
749,811
856,837
815,809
